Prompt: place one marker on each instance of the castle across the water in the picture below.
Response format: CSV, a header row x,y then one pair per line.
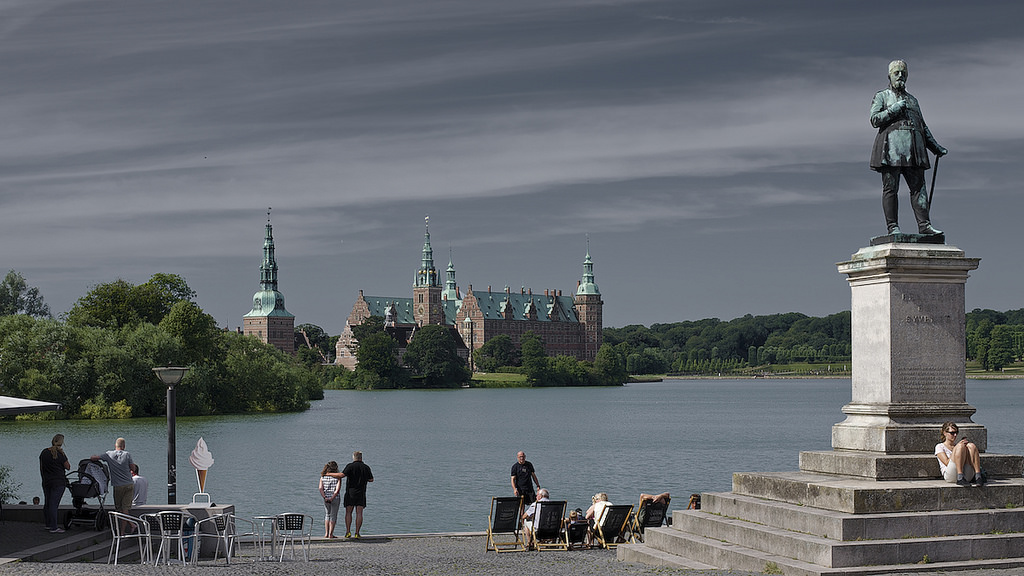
x,y
568,325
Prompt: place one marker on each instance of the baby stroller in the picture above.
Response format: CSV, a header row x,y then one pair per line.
x,y
89,481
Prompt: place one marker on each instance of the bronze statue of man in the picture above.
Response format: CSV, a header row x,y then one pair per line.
x,y
901,147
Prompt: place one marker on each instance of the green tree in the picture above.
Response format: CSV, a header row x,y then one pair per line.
x,y
196,330
268,380
1000,347
535,359
313,346
567,371
8,487
495,353
120,303
16,297
377,358
370,325
609,366
433,355
44,359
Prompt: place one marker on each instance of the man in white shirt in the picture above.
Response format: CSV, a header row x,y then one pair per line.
x,y
141,487
530,515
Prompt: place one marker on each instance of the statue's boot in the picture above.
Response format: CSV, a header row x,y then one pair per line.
x,y
919,201
891,210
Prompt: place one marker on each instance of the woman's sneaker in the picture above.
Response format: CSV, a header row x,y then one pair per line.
x,y
961,481
57,530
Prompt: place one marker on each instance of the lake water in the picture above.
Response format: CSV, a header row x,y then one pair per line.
x,y
438,456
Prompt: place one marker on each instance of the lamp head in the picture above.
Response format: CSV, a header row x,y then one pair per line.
x,y
170,375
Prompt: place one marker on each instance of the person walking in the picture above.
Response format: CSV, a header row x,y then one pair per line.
x,y
358,475
330,490
53,464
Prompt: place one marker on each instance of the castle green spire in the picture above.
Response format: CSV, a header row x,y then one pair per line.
x,y
587,285
427,275
268,270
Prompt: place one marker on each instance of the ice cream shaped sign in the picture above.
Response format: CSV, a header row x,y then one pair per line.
x,y
201,459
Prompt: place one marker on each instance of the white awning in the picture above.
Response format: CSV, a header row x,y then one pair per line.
x,y
11,406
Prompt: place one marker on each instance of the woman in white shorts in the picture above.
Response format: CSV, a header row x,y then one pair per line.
x,y
958,460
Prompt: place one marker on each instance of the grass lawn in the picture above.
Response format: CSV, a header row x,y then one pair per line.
x,y
497,380
1015,370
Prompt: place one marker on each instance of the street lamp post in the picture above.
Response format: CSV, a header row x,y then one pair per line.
x,y
472,337
170,376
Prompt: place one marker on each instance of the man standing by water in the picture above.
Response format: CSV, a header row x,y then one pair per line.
x,y
358,475
119,462
524,478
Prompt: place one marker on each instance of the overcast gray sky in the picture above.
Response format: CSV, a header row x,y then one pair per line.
x,y
715,152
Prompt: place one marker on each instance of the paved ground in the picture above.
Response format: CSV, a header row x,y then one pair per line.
x,y
420,556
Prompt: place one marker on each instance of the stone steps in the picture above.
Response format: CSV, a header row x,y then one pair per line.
x,y
865,496
841,554
75,546
847,527
725,555
881,466
963,529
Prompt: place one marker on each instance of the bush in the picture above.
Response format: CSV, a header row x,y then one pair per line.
x,y
8,487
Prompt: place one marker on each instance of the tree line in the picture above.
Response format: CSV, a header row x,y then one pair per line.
x,y
712,346
995,339
97,360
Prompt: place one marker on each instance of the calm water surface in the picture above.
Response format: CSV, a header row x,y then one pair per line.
x,y
439,456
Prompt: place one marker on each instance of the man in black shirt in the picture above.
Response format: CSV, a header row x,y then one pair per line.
x,y
522,474
358,475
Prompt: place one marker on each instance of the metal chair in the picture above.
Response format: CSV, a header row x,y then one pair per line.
x,y
294,526
220,527
141,534
172,529
235,538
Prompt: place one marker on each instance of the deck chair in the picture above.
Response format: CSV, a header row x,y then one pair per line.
x,y
548,527
649,514
613,525
504,521
576,535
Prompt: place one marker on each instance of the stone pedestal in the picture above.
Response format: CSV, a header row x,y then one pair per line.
x,y
876,503
908,335
907,309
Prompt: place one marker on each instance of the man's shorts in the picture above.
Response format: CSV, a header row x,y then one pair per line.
x,y
355,499
123,498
